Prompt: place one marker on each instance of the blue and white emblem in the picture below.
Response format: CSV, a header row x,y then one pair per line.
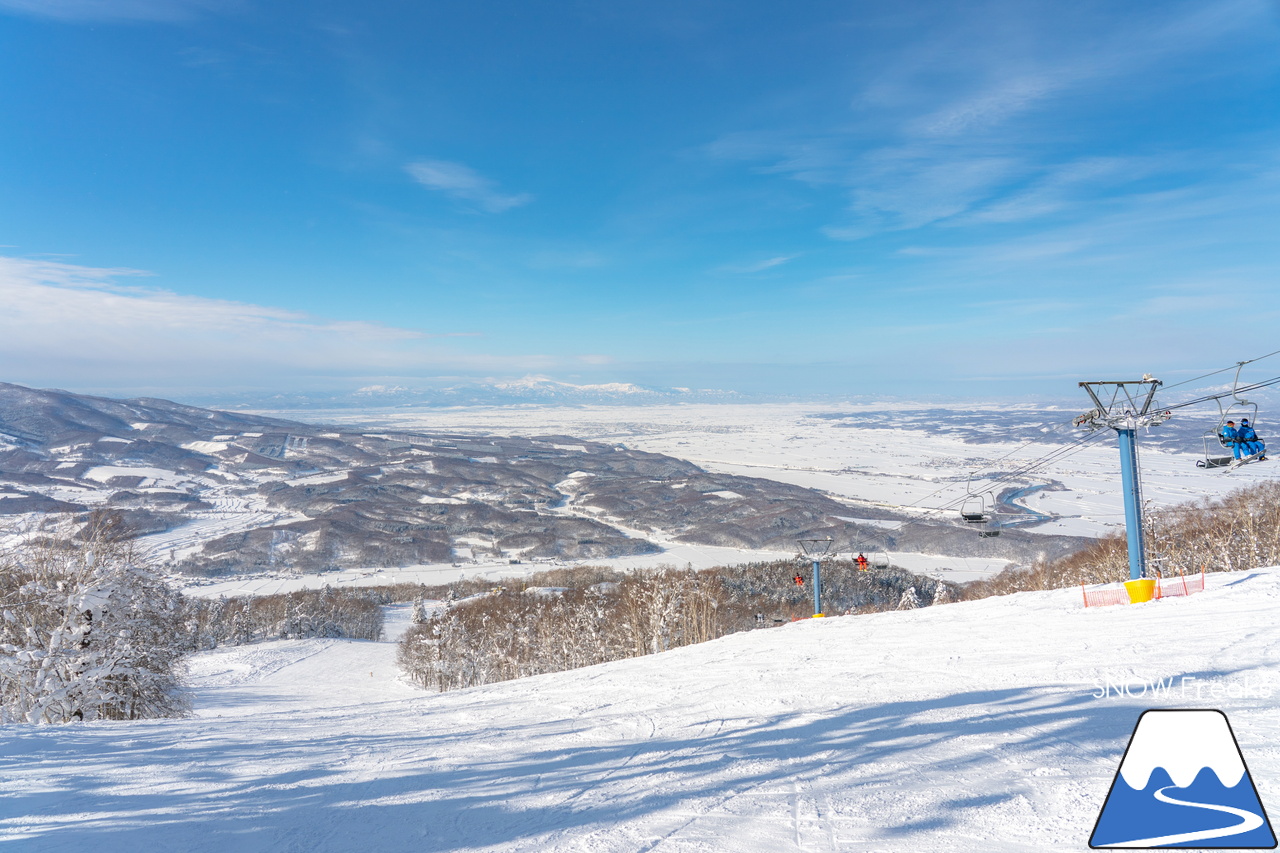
x,y
1183,783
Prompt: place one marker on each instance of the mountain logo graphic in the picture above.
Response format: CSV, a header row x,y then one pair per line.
x,y
1183,783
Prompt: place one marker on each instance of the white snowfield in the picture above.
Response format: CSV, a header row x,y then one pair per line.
x,y
904,468
898,467
978,727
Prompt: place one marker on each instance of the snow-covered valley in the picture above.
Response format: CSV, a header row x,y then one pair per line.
x,y
249,503
897,457
986,726
903,455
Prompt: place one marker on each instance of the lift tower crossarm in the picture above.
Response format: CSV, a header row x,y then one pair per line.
x,y
1129,405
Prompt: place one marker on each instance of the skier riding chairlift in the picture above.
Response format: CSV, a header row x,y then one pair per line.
x,y
1250,445
1228,436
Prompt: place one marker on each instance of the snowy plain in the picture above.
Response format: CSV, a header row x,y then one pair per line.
x,y
979,727
903,456
875,453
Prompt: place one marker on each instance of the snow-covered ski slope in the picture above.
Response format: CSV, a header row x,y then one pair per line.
x,y
986,726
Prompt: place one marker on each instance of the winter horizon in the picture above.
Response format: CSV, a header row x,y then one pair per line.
x,y
987,201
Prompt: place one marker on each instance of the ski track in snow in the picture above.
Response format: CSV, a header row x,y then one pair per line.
x,y
966,727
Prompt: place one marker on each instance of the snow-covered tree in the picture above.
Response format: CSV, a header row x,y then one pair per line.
x,y
87,632
420,614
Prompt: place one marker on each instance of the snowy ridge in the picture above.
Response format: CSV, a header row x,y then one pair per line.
x,y
526,390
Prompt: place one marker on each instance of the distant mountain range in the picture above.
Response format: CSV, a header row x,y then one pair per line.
x,y
213,492
528,390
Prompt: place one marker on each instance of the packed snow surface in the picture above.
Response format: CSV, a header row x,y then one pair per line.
x,y
982,727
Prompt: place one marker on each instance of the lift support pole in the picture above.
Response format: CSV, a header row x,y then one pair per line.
x,y
1132,503
1130,405
817,587
816,550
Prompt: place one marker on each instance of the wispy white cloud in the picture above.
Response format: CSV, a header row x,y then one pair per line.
x,y
465,184
1061,186
965,126
1156,236
1202,304
910,191
65,323
556,259
988,107
116,10
1025,75
760,266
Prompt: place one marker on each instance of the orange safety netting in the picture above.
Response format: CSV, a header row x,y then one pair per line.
x,y
1181,585
1104,596
1165,588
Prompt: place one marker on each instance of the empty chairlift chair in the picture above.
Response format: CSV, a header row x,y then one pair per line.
x,y
974,510
980,509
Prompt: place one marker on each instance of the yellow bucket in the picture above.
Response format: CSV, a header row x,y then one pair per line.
x,y
1140,590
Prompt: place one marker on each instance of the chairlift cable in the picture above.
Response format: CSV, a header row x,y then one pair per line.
x,y
1030,466
1056,454
1063,451
1266,383
1223,370
916,504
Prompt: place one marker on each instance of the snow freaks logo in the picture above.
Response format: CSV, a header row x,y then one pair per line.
x,y
1183,783
1110,685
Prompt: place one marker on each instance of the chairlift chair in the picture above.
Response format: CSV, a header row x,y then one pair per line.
x,y
874,549
1239,409
981,509
1209,460
974,510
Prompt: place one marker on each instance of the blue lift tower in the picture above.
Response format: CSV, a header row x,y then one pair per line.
x,y
815,551
1124,407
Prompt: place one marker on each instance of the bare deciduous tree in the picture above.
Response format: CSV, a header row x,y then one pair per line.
x,y
503,634
1238,531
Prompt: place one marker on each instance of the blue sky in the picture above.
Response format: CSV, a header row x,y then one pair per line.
x,y
918,198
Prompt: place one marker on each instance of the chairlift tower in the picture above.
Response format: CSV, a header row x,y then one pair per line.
x,y
1128,405
816,550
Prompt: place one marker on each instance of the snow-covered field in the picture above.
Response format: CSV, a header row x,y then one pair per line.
x,y
920,460
679,554
987,726
858,451
673,554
